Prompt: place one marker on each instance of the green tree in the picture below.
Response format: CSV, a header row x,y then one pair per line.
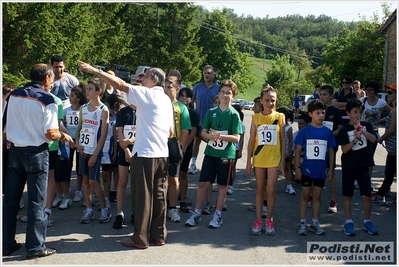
x,y
358,53
220,49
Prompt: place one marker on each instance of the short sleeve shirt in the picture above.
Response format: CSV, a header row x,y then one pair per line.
x,y
126,118
62,87
372,114
181,118
341,97
227,122
355,158
316,143
203,96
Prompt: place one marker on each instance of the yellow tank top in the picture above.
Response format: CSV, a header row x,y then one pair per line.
x,y
267,146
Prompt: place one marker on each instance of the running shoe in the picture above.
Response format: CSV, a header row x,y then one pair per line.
x,y
370,228
216,221
269,227
315,228
256,230
333,207
193,219
349,229
174,215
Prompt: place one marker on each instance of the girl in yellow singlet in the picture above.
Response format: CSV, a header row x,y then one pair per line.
x,y
266,147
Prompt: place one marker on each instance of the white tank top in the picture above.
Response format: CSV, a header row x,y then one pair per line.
x,y
91,129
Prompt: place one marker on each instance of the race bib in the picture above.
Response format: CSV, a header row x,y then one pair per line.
x,y
267,134
72,118
87,136
219,144
129,131
362,143
316,149
328,124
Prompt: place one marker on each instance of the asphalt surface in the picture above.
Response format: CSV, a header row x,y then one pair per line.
x,y
231,244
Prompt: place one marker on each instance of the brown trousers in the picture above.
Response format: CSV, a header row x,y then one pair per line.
x,y
148,190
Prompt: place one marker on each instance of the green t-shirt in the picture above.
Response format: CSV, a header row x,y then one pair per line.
x,y
228,122
53,145
181,117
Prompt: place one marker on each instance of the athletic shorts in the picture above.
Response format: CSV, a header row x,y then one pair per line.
x,y
187,158
306,181
62,170
362,175
216,167
52,159
94,172
120,158
108,167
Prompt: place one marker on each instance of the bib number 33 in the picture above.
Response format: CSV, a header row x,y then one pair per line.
x,y
219,144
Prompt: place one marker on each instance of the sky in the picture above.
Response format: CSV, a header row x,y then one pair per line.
x,y
340,10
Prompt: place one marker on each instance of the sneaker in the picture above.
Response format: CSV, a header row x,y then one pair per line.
x,y
95,201
224,207
78,196
193,169
112,196
185,207
356,184
215,187
302,229
208,209
269,227
49,219
290,190
105,215
376,198
57,201
66,203
252,208
21,204
216,221
193,219
391,203
264,211
174,215
257,228
315,228
88,216
119,222
333,207
230,190
369,227
349,229
310,202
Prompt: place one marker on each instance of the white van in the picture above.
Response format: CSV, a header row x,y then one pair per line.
x,y
138,70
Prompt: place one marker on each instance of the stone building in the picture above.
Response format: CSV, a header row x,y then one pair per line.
x,y
388,31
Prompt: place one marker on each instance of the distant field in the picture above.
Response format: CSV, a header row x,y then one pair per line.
x,y
259,68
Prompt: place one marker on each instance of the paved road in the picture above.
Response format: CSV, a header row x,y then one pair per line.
x,y
232,244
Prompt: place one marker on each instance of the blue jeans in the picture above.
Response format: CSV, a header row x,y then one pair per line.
x,y
26,165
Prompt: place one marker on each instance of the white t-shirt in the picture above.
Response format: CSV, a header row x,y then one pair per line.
x,y
154,117
372,114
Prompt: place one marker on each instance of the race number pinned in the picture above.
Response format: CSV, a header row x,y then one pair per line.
x,y
219,144
328,124
129,131
362,143
316,149
87,136
267,134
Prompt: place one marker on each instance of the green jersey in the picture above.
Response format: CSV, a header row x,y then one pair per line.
x,y
182,119
227,123
53,145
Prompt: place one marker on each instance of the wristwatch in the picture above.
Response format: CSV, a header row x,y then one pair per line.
x,y
295,167
354,141
100,71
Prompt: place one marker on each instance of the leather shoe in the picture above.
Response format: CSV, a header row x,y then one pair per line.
x,y
157,243
130,244
43,253
15,248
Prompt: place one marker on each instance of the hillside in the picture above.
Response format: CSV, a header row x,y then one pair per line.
x,y
259,68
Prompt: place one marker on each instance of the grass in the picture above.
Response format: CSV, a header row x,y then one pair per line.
x,y
259,68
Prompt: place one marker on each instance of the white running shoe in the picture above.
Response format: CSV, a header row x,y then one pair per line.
x,y
174,215
193,169
66,203
290,190
230,190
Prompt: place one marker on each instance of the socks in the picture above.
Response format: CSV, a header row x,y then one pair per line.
x,y
314,220
348,221
302,221
46,210
364,221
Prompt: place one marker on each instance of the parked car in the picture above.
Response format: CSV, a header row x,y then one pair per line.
x,y
138,70
248,106
120,71
303,101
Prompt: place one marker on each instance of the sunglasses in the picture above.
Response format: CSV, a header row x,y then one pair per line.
x,y
389,92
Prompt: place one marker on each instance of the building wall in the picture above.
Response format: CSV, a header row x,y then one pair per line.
x,y
390,75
